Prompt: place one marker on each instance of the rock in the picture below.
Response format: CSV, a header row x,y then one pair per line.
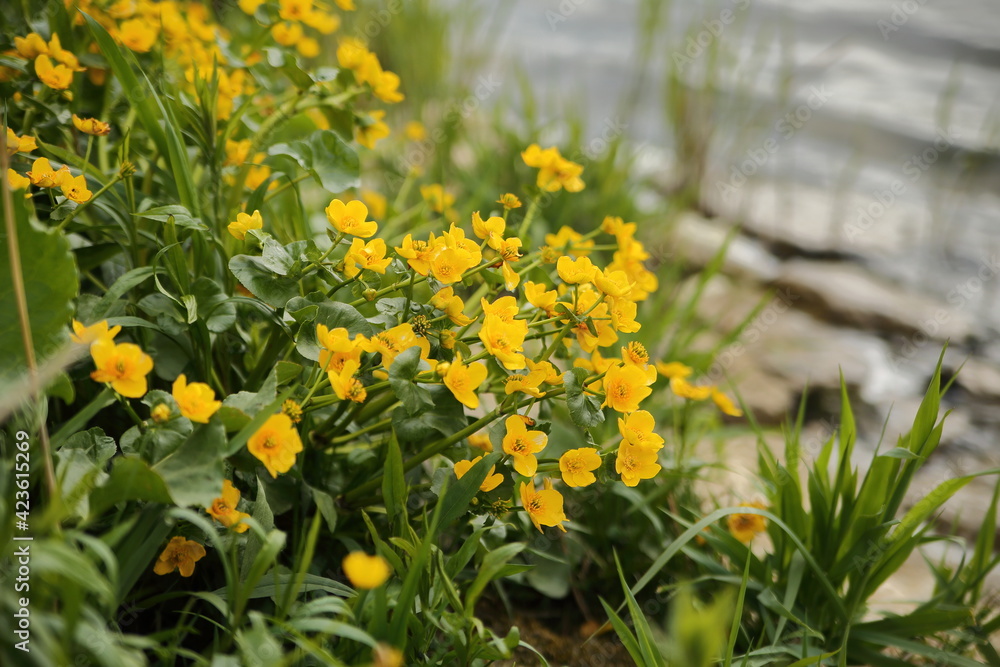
x,y
979,377
848,294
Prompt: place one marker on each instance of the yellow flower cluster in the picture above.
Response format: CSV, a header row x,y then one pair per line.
x,y
296,16
681,386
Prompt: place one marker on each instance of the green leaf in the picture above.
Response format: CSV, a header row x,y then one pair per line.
x,y
214,307
332,314
131,479
404,369
489,569
125,282
263,515
459,494
48,269
254,274
288,65
194,472
331,161
393,484
584,409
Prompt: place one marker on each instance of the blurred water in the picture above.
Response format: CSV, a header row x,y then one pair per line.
x,y
892,157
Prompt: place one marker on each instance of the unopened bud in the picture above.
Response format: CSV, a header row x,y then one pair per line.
x,y
442,368
369,294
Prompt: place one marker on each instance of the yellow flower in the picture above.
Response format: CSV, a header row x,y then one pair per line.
x,y
75,189
504,309
504,341
91,126
374,131
635,464
321,21
376,203
550,374
386,87
624,388
545,507
539,297
224,510
351,218
418,254
384,655
16,144
637,429
673,369
346,5
31,46
179,554
725,404
446,300
415,131
448,264
614,225
44,176
488,229
369,256
61,55
196,400
635,354
685,389
463,380
525,383
244,223
364,571
286,34
17,181
160,414
554,171
138,35
522,445
351,53
576,271
613,283
237,152
576,466
492,480
294,10
436,197
345,385
275,444
392,342
481,441
509,201
250,6
745,526
124,365
336,348
569,238
98,331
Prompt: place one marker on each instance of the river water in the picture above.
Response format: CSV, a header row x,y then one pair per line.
x,y
868,129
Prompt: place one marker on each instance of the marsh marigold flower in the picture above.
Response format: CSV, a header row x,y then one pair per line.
x,y
637,429
16,144
492,227
31,46
180,554
569,238
376,203
138,35
275,444
452,305
509,201
75,189
576,466
95,332
196,400
580,270
351,218
522,445
493,478
635,464
57,77
725,404
685,389
366,256
373,131
124,365
336,347
624,388
223,508
364,571
244,223
463,380
391,342
160,414
44,176
744,526
504,341
436,197
481,441
345,385
554,171
91,126
17,182
545,507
